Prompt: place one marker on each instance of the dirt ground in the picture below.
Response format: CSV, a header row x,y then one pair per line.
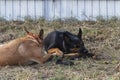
x,y
100,37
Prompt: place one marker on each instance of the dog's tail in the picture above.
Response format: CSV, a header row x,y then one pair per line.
x,y
25,29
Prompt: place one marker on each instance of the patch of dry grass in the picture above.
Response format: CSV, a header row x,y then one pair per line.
x,y
101,38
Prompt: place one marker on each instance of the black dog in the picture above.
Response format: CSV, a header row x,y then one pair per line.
x,y
66,42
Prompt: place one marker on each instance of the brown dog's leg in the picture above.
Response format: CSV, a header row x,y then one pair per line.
x,y
55,51
43,58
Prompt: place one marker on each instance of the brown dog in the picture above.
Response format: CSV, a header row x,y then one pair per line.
x,y
22,50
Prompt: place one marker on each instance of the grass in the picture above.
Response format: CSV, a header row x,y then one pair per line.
x,y
101,38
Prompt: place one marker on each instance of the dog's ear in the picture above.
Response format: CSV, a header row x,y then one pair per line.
x,y
41,33
80,33
25,29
